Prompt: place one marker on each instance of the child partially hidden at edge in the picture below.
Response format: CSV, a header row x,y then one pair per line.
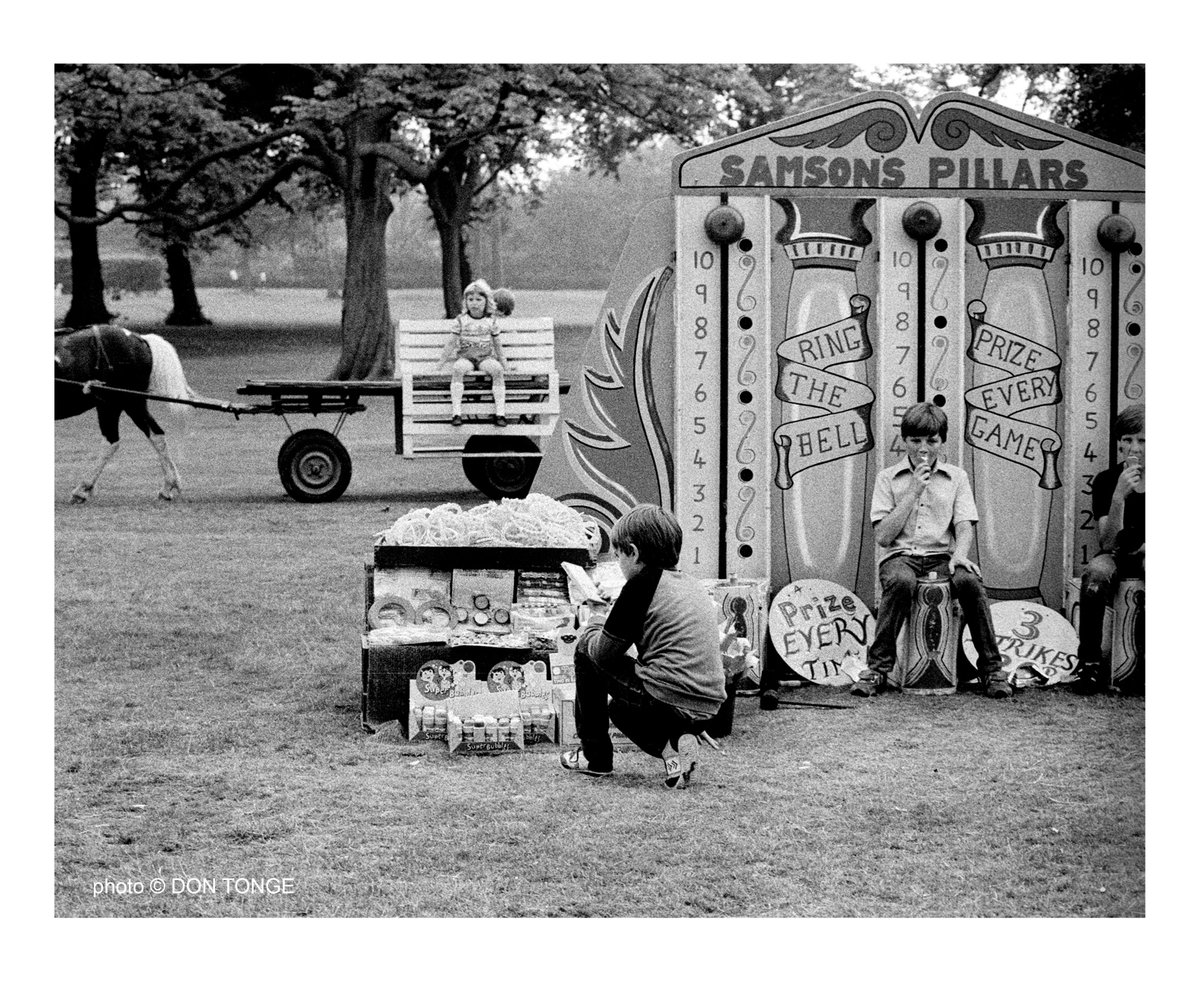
x,y
1119,501
924,518
661,698
474,345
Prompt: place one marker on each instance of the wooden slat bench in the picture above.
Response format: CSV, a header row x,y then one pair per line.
x,y
531,386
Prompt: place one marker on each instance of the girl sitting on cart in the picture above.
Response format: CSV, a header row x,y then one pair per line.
x,y
474,345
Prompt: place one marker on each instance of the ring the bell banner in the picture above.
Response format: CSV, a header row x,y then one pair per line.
x,y
802,284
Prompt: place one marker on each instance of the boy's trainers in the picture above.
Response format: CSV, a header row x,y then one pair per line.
x,y
868,683
997,687
574,760
680,762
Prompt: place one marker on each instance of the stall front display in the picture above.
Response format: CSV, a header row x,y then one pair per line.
x,y
481,589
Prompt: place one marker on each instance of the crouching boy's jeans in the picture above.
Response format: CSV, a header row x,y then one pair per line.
x,y
898,577
648,722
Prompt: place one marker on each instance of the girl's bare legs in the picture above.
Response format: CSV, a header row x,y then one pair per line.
x,y
458,372
492,367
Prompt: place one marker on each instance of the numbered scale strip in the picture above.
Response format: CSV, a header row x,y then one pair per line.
x,y
698,386
1091,367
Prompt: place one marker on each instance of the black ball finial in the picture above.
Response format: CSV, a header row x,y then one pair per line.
x,y
724,224
921,221
1116,233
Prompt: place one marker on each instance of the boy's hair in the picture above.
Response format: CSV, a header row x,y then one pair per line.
x,y
924,419
654,531
1130,420
481,287
506,303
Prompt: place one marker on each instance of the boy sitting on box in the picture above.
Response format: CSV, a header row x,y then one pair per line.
x,y
924,517
661,698
1119,502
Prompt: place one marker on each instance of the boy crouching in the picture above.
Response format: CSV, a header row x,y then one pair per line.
x,y
662,697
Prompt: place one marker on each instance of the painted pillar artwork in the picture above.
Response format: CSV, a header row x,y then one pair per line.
x,y
825,410
808,280
1013,390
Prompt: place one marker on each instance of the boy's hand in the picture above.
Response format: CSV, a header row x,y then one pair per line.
x,y
956,561
923,474
1131,477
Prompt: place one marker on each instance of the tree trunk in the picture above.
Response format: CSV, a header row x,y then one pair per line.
x,y
185,305
448,192
368,347
87,278
452,267
464,261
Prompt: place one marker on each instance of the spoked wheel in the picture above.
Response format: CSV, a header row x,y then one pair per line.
x,y
314,466
505,475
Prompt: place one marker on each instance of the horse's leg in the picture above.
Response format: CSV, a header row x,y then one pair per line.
x,y
158,440
108,417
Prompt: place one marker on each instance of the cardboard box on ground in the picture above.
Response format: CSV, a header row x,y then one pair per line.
x,y
507,711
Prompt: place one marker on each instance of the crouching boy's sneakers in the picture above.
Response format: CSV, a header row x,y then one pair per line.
x,y
997,687
679,759
574,760
869,683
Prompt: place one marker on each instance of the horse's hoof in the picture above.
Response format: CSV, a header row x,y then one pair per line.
x,y
79,497
166,495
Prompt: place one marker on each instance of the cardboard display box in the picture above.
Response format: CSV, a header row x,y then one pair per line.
x,y
450,702
485,723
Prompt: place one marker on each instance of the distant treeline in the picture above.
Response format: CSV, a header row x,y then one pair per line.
x,y
568,238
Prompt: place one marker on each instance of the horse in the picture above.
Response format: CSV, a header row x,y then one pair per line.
x,y
117,357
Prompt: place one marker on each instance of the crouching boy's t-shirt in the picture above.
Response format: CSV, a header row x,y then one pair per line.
x,y
673,622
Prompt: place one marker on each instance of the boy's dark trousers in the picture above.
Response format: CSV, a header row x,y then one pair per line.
x,y
898,578
647,722
1099,584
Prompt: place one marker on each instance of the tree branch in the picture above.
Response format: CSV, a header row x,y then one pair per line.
x,y
169,218
264,190
321,162
413,171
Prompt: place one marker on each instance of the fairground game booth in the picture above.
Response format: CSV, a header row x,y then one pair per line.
x,y
804,283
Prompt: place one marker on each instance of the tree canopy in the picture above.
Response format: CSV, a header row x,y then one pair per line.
x,y
191,149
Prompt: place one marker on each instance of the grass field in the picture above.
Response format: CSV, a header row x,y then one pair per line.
x,y
206,723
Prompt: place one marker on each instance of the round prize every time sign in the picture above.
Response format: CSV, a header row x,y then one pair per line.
x,y
1036,643
821,630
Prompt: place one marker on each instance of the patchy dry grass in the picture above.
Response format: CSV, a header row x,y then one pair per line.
x,y
206,724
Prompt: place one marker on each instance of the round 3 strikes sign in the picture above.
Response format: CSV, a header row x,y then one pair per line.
x,y
821,630
1036,643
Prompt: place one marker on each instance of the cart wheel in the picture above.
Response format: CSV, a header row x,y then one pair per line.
x,y
503,476
314,466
